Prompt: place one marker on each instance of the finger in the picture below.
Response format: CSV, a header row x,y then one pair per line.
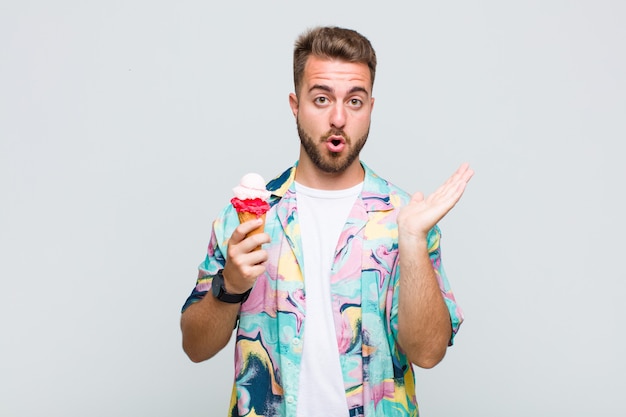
x,y
457,174
247,262
463,174
450,192
244,256
450,185
464,167
244,228
239,278
457,191
256,257
252,242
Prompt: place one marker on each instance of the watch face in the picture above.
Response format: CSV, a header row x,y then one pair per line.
x,y
217,284
219,292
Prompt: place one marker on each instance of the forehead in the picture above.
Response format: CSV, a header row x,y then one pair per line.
x,y
336,72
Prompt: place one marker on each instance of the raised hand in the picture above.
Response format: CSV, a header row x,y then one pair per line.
x,y
421,214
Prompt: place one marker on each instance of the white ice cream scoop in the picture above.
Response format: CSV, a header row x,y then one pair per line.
x,y
251,186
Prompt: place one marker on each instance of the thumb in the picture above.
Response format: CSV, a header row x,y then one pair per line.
x,y
418,197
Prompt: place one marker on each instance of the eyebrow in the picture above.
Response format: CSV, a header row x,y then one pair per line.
x,y
326,88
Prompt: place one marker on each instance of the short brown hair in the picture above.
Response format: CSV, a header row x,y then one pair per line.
x,y
332,42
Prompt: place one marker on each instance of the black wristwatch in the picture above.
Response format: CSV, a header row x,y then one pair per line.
x,y
219,292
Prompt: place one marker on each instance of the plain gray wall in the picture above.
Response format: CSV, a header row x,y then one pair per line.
x,y
125,124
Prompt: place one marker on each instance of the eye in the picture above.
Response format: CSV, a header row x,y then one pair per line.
x,y
355,102
321,100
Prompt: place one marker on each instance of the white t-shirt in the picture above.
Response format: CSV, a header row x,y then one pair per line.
x,y
322,215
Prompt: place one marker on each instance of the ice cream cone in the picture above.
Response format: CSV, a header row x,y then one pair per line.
x,y
251,200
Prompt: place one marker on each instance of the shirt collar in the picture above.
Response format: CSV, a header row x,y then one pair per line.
x,y
375,194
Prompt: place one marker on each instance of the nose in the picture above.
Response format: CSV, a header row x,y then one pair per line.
x,y
338,116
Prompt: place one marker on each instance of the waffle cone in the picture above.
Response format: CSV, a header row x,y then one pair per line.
x,y
245,216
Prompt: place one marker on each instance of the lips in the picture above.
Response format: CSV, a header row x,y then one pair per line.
x,y
335,143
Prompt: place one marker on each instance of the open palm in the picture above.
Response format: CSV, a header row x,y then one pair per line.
x,y
421,214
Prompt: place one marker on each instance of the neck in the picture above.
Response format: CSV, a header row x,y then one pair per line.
x,y
311,176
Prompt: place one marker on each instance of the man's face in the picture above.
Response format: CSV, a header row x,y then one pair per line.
x,y
333,112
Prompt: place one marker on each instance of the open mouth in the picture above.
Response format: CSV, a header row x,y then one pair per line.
x,y
335,143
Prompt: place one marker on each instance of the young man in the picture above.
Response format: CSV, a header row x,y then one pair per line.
x,y
348,290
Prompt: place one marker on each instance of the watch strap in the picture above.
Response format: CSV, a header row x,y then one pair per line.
x,y
219,291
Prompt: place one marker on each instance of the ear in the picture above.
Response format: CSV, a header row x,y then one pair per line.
x,y
293,103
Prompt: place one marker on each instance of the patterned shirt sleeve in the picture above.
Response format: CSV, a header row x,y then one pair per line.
x,y
213,261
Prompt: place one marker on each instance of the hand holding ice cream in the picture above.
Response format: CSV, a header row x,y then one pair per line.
x,y
250,200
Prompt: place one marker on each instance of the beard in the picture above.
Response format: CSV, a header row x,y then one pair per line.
x,y
325,160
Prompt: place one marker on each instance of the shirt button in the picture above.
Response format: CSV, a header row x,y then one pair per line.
x,y
296,341
289,399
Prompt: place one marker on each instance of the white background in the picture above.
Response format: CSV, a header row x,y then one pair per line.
x,y
125,124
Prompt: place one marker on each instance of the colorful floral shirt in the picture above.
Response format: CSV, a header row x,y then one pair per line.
x,y
378,378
